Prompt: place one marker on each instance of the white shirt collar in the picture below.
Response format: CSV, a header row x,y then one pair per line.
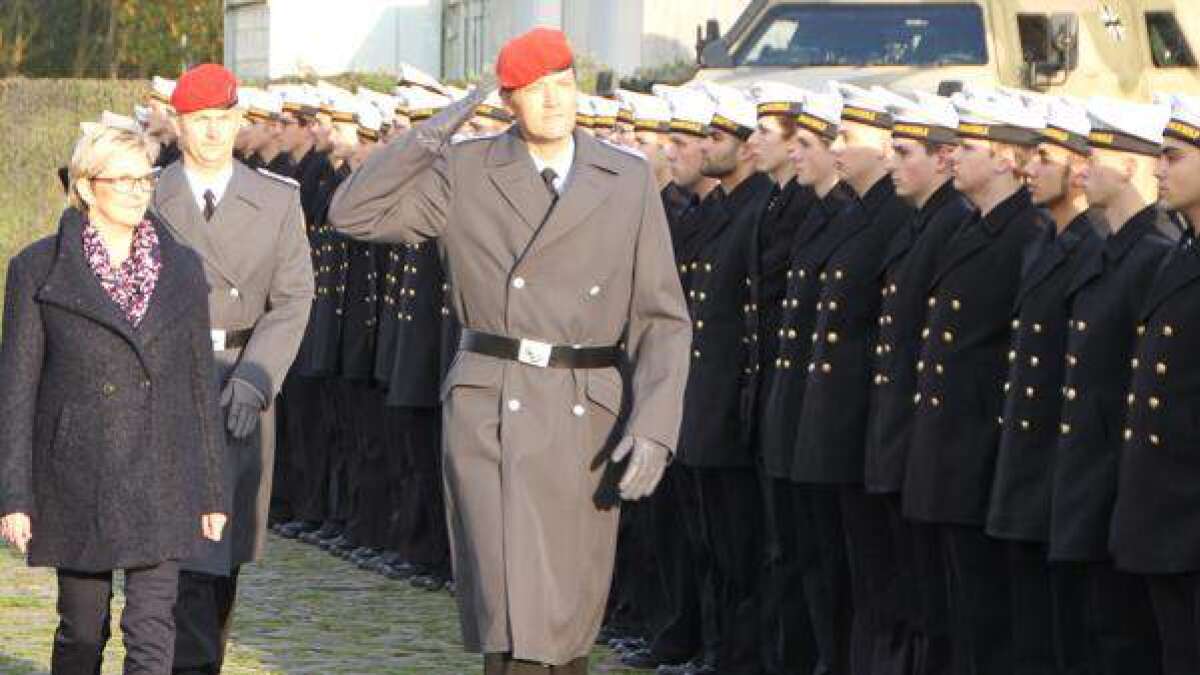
x,y
561,165
218,184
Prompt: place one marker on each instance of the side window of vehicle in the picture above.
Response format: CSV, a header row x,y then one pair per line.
x,y
1034,30
1169,47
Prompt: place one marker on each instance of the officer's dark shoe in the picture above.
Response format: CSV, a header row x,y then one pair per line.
x,y
428,582
450,587
329,544
363,559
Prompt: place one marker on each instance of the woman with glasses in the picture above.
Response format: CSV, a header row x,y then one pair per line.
x,y
111,447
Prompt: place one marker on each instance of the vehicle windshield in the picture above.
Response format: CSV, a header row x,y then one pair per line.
x,y
915,34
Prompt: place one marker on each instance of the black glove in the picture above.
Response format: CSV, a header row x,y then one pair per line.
x,y
245,404
435,132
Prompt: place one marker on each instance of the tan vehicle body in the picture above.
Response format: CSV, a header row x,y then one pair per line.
x,y
1113,50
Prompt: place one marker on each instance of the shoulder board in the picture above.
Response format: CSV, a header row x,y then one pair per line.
x,y
459,138
282,179
632,152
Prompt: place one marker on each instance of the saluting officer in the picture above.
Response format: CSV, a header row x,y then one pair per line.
x,y
248,228
960,371
1113,618
1019,510
549,271
1156,522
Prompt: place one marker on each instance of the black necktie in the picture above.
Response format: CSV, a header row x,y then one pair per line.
x,y
210,204
549,176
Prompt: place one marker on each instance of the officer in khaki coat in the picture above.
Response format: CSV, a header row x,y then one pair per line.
x,y
573,357
248,228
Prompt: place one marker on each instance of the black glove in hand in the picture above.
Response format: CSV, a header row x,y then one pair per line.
x,y
437,131
245,404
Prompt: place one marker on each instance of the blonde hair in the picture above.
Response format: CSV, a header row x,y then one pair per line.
x,y
95,149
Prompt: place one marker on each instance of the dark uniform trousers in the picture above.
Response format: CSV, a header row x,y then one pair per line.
x,y
370,510
787,642
811,574
918,642
1114,617
419,532
147,623
955,437
678,634
1156,525
202,629
1019,510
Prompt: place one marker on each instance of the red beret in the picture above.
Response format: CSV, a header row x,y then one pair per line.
x,y
207,86
532,56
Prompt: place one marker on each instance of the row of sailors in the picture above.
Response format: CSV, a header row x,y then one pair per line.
x,y
939,373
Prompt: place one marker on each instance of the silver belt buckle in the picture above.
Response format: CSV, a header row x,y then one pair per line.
x,y
218,340
534,353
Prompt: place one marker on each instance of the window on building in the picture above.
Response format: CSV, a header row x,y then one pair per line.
x,y
869,34
1168,46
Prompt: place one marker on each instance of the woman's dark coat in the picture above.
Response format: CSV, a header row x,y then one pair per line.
x,y
112,439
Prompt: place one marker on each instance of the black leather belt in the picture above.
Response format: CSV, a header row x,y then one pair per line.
x,y
230,339
539,354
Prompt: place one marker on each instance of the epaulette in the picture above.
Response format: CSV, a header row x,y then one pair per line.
x,y
282,179
457,138
633,152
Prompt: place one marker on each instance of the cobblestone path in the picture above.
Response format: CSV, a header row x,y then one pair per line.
x,y
300,611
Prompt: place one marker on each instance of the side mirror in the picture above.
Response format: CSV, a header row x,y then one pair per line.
x,y
1049,45
1064,36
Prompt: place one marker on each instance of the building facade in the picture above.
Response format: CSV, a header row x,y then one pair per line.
x,y
454,39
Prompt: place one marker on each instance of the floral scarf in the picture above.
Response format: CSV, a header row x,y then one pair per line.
x,y
130,285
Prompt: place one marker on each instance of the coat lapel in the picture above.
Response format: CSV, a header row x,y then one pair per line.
x,y
166,303
72,286
590,185
1051,258
968,242
514,176
176,207
1183,269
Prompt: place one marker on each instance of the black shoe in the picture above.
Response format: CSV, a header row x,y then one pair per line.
x,y
327,531
693,667
296,528
329,544
428,582
450,587
363,558
403,571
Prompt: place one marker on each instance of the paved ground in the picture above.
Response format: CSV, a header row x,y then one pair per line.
x,y
301,611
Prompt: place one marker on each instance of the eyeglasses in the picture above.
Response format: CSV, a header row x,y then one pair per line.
x,y
129,185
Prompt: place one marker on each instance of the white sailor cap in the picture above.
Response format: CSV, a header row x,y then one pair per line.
x,y
386,103
264,105
111,120
605,111
1127,127
691,109
1067,123
929,118
776,98
648,113
161,88
990,115
820,113
493,107
408,75
624,112
420,103
370,120
297,98
336,101
454,93
1184,124
585,110
734,111
863,106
